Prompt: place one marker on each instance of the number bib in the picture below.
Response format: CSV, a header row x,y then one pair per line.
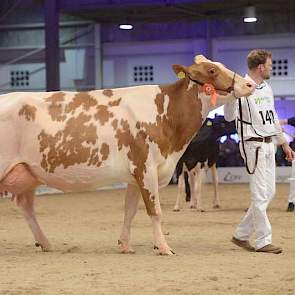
x,y
262,111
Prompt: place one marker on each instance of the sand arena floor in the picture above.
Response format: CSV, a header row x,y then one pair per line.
x,y
84,228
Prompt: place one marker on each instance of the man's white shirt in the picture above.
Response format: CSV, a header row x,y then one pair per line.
x,y
259,115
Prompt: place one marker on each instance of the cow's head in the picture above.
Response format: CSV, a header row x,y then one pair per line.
x,y
215,79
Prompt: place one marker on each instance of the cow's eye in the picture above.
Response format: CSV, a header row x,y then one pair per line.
x,y
212,71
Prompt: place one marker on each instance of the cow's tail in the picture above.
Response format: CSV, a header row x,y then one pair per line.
x,y
179,170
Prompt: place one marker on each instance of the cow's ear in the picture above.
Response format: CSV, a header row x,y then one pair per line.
x,y
200,58
179,70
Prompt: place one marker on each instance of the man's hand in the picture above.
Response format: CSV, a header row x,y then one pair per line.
x,y
291,121
290,154
283,121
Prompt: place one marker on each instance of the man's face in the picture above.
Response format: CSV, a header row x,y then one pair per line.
x,y
265,69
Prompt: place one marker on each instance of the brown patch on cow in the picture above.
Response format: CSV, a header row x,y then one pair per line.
x,y
103,114
115,124
137,154
94,159
172,131
56,97
104,150
137,125
161,133
149,201
28,111
108,92
82,99
55,108
55,111
67,147
159,100
48,142
115,103
138,148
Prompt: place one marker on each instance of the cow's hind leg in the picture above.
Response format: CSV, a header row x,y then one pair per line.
x,y
26,202
180,193
21,183
216,201
191,179
131,205
197,189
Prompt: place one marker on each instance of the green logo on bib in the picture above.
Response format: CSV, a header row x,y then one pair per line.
x,y
262,100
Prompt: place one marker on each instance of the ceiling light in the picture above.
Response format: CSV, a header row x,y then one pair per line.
x,y
126,27
250,14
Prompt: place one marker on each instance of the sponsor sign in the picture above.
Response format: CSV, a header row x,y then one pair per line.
x,y
240,175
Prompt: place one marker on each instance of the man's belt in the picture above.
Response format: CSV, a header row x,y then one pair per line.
x,y
266,139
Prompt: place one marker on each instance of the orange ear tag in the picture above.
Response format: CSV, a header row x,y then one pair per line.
x,y
210,90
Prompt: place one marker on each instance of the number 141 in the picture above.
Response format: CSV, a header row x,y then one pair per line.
x,y
267,117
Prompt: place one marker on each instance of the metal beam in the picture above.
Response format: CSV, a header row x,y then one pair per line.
x,y
98,57
28,26
52,45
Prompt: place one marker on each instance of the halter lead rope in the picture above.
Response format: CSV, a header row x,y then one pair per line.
x,y
243,143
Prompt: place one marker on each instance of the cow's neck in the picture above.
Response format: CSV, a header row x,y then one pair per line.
x,y
179,115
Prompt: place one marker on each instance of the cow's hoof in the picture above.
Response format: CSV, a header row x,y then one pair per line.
x,y
193,206
216,207
124,248
127,251
44,248
164,251
167,253
176,209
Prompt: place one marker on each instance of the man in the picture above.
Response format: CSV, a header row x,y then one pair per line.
x,y
291,196
258,129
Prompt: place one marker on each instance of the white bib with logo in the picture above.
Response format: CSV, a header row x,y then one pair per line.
x,y
262,111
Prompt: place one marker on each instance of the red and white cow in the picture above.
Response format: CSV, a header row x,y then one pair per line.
x,y
76,141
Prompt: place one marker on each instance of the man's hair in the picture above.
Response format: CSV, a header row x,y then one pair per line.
x,y
257,57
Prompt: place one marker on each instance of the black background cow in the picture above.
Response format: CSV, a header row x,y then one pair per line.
x,y
202,153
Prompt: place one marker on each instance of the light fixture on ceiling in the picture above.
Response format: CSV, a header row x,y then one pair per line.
x,y
126,27
250,14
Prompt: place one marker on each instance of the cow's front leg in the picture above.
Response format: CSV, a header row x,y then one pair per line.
x,y
150,192
26,202
131,205
160,241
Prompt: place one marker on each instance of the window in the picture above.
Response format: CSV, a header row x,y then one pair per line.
x,y
19,79
143,74
280,67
